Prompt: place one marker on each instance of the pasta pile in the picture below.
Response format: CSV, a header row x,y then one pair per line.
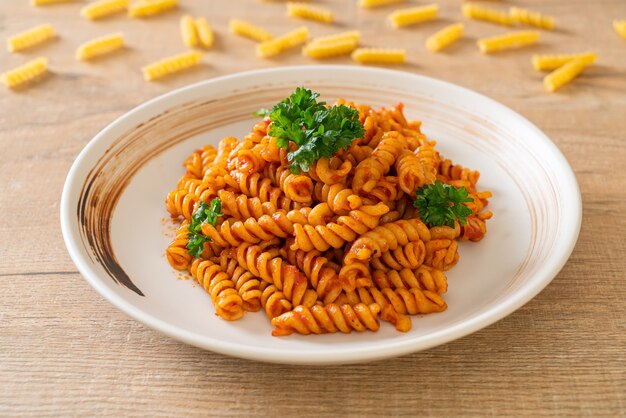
x,y
329,250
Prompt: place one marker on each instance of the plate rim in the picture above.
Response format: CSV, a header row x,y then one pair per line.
x,y
499,311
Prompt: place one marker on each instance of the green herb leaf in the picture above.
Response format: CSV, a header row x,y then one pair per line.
x,y
204,214
441,204
262,112
317,130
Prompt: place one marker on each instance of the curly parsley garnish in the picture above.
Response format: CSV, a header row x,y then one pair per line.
x,y
316,129
441,204
203,214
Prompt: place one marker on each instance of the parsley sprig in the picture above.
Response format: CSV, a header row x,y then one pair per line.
x,y
316,129
204,214
441,204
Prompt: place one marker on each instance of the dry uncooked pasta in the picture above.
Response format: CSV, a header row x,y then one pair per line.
x,y
171,65
100,46
552,62
487,14
305,11
379,56
327,49
103,8
278,45
151,8
240,27
353,35
30,38
407,17
620,27
205,33
445,37
367,4
26,73
566,73
318,251
532,18
188,31
511,40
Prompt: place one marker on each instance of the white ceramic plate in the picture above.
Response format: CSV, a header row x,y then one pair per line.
x,y
113,207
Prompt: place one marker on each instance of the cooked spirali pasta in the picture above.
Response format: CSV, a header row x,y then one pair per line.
x,y
339,247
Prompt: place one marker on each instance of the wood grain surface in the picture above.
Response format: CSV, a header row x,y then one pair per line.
x,y
65,351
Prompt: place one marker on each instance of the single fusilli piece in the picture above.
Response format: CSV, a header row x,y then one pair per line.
x,y
188,31
100,46
30,38
353,35
177,254
327,319
151,8
370,170
552,62
103,8
339,197
379,56
413,15
26,73
404,301
304,11
319,270
368,4
239,27
487,14
532,18
171,65
423,277
445,37
620,27
507,41
228,303
565,74
44,2
386,237
205,33
410,256
278,45
329,49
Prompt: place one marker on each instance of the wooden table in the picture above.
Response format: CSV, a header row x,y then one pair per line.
x,y
65,351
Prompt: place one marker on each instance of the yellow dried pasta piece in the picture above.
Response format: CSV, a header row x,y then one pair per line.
x,y
368,4
100,46
188,31
25,73
552,62
620,27
353,35
444,37
379,56
304,11
44,2
564,74
511,40
171,65
205,33
29,38
327,49
103,8
532,18
413,15
239,27
151,8
474,11
282,43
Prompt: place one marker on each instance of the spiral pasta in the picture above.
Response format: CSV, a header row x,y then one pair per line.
x,y
327,319
100,46
103,8
278,45
248,30
565,74
511,40
205,33
304,11
332,249
445,37
367,4
620,27
329,49
529,17
487,14
150,8
30,38
171,65
24,74
552,62
379,56
407,17
188,31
